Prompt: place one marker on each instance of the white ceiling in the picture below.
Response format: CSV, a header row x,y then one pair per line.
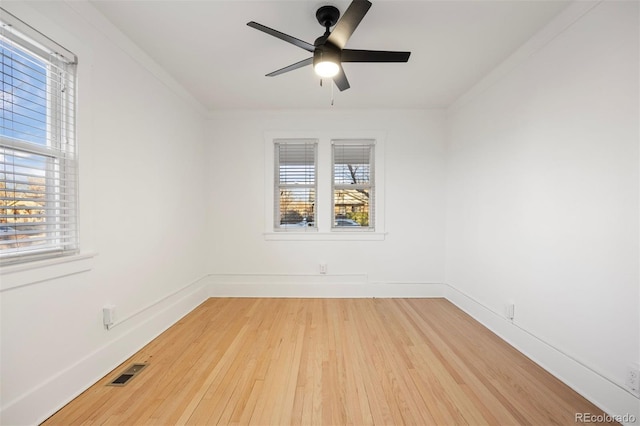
x,y
208,48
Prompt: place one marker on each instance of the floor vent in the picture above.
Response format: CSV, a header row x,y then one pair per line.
x,y
127,375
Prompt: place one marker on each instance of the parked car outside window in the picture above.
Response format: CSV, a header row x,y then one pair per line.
x,y
345,222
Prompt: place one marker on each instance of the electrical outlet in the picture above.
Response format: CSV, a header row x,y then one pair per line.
x,y
323,268
510,311
633,378
108,316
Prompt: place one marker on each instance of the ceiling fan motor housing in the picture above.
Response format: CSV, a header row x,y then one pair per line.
x,y
327,16
326,51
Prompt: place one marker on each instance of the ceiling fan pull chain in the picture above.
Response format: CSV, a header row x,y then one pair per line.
x,y
332,95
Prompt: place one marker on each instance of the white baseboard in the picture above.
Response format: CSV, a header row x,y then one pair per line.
x,y
602,392
405,290
320,286
55,392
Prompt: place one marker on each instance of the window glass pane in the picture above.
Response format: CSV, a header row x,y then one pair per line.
x,y
297,207
23,91
295,185
353,186
23,200
351,164
297,163
351,207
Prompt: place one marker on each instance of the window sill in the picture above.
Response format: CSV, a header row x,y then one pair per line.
x,y
325,236
20,275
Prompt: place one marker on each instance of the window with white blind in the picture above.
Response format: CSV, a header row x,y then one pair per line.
x,y
295,185
353,185
324,186
38,158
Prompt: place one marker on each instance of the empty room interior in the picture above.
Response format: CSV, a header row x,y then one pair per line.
x,y
444,230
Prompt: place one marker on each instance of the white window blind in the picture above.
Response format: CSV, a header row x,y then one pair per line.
x,y
38,163
353,185
295,179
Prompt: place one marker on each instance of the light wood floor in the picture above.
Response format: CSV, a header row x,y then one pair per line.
x,y
328,362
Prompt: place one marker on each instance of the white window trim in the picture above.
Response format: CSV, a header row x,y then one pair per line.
x,y
49,271
324,187
23,274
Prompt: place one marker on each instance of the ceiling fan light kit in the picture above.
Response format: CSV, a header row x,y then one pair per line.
x,y
326,61
328,50
326,69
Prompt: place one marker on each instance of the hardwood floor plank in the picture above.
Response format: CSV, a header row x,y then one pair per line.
x,y
328,362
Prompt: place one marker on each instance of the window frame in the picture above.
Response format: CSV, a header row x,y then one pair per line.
x,y
59,151
279,186
370,186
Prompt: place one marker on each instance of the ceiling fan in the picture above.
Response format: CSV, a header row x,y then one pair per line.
x,y
328,49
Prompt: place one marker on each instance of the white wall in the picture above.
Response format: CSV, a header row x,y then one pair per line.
x,y
541,208
141,143
542,195
412,251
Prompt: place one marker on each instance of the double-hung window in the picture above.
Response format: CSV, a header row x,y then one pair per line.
x,y
353,185
324,188
38,159
296,179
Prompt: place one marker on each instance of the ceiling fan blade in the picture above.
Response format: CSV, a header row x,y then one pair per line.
x,y
349,22
341,80
350,55
282,36
291,67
